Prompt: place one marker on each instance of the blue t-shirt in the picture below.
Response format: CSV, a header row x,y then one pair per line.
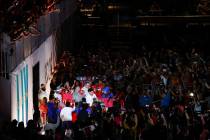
x,y
165,100
145,100
52,112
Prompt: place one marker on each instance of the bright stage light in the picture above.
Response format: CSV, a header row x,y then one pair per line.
x,y
192,94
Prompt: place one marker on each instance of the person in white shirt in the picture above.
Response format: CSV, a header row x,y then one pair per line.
x,y
90,97
76,93
66,115
59,98
86,87
79,95
42,93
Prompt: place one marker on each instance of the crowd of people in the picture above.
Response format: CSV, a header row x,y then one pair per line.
x,y
118,95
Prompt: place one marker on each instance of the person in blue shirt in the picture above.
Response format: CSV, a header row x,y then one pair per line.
x,y
144,100
165,102
52,110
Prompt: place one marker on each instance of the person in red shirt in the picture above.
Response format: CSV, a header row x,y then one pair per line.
x,y
43,111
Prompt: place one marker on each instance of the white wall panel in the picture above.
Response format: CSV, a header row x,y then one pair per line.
x,y
22,90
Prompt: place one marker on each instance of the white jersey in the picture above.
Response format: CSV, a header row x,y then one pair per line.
x,y
89,98
58,96
66,114
85,90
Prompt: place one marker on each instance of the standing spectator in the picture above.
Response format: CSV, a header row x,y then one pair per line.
x,y
66,116
86,87
90,96
43,111
52,110
42,92
43,98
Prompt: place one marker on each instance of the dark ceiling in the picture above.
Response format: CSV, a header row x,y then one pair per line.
x,y
18,17
154,23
